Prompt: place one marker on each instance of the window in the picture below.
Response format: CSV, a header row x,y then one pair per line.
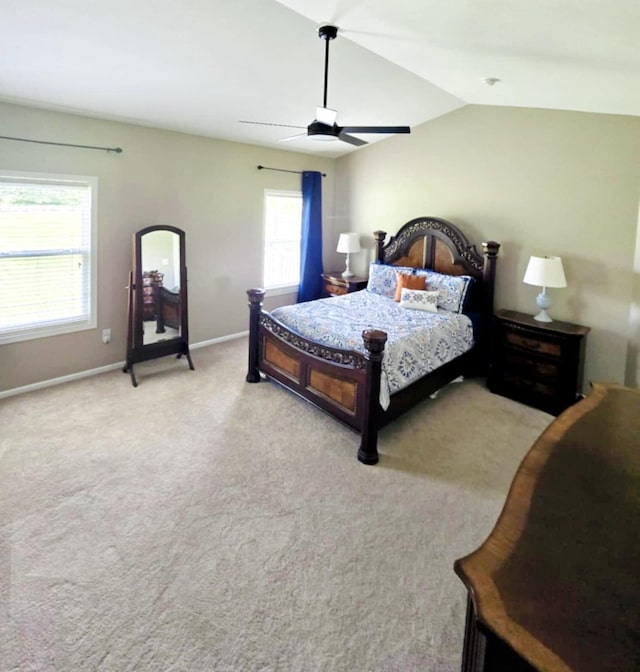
x,y
282,226
47,254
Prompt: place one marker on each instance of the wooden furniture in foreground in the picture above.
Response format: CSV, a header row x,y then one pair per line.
x,y
556,586
333,284
346,383
537,363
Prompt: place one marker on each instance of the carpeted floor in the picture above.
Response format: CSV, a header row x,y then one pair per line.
x,y
199,523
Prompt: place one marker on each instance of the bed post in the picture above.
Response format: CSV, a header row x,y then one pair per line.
x,y
374,341
490,250
379,236
255,308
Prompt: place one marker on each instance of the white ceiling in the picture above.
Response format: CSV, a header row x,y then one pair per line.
x,y
199,66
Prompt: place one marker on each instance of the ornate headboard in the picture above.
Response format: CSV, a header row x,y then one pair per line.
x,y
439,245
431,242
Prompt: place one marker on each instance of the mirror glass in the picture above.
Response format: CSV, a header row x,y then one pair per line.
x,y
161,310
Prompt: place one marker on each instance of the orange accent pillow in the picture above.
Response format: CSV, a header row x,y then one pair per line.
x,y
406,281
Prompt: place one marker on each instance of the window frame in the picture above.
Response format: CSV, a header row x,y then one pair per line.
x,y
276,290
28,333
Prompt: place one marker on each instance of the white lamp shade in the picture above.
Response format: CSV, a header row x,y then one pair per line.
x,y
545,272
349,243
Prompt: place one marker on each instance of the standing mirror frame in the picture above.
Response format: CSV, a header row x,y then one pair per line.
x,y
158,321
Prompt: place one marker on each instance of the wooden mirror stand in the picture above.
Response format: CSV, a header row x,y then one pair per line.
x,y
158,323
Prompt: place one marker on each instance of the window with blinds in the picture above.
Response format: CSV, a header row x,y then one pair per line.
x,y
47,255
282,231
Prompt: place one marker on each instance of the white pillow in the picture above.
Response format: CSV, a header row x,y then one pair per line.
x,y
419,299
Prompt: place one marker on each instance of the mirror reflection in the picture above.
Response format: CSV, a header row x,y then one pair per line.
x,y
161,310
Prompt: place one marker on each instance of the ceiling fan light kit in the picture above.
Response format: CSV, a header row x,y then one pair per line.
x,y
324,126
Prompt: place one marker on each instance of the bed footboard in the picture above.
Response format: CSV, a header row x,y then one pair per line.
x,y
344,384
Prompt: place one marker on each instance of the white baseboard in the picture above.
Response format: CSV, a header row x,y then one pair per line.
x,y
104,369
220,339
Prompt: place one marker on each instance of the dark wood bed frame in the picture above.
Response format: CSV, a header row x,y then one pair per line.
x,y
346,383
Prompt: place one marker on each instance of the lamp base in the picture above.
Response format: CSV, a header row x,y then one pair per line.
x,y
544,302
542,316
347,270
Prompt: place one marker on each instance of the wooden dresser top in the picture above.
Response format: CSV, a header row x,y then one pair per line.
x,y
525,320
558,578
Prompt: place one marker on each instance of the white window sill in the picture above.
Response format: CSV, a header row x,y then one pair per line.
x,y
45,332
279,291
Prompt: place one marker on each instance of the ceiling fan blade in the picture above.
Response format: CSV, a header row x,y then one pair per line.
x,y
377,129
266,123
326,115
351,140
293,137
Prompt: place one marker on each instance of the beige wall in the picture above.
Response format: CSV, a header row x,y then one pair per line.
x,y
210,188
538,181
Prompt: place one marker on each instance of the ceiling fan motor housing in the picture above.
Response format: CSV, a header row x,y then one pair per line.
x,y
317,128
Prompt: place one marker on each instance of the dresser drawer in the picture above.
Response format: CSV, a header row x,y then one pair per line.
x,y
334,284
533,343
529,386
336,290
530,366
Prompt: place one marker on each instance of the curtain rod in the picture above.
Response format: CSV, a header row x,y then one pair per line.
x,y
117,150
284,170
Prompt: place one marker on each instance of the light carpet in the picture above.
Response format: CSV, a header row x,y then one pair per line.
x,y
200,523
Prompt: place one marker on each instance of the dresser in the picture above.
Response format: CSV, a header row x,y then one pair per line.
x,y
537,363
151,281
555,586
333,284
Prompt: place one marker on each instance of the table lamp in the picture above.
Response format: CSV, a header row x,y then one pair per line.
x,y
544,272
348,243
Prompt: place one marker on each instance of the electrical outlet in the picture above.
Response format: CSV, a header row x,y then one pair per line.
x,y
106,336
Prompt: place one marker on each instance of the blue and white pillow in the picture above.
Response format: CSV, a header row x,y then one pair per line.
x,y
383,278
419,299
452,289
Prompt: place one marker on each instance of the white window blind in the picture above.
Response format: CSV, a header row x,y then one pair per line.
x,y
47,255
282,231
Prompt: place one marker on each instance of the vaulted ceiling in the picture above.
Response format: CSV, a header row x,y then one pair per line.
x,y
201,66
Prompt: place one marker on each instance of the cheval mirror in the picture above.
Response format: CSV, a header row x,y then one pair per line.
x,y
158,318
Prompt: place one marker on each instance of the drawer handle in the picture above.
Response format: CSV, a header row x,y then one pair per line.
x,y
534,345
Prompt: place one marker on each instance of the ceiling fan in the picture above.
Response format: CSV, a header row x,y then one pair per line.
x,y
324,126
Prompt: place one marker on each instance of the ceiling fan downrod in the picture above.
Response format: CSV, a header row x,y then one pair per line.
x,y
326,33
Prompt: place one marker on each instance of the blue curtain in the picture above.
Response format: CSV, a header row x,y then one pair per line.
x,y
311,241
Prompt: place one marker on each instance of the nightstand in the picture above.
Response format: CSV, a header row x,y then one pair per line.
x,y
335,284
537,363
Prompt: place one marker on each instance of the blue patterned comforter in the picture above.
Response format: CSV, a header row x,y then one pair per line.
x,y
418,341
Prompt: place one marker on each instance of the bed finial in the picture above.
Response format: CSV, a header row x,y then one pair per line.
x,y
491,248
379,236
